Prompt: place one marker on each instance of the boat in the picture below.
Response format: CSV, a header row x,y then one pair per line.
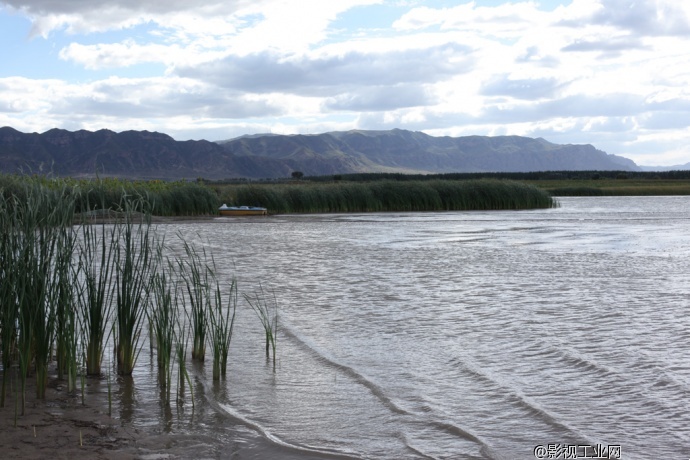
x,y
226,210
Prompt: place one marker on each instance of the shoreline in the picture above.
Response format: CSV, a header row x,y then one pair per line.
x,y
60,426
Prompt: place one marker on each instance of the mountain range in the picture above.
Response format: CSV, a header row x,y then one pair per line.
x,y
149,155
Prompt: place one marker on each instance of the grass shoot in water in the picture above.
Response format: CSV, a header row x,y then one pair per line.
x,y
163,319
268,315
222,320
196,275
135,264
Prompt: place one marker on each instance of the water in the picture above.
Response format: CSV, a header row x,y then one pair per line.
x,y
446,335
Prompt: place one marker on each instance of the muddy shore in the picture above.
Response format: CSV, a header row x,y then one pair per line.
x,y
60,426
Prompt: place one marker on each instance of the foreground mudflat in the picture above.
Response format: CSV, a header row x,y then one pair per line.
x,y
62,427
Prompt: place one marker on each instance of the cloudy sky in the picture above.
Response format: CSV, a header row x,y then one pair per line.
x,y
612,73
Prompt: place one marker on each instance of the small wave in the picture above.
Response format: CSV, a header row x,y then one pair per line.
x,y
276,440
417,450
330,361
582,363
427,419
263,431
518,399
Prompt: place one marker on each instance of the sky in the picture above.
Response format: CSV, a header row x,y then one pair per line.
x,y
611,73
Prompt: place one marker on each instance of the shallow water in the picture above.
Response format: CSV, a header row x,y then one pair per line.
x,y
445,335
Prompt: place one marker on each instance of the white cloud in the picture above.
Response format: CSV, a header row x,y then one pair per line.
x,y
381,98
117,55
657,17
324,75
505,21
613,73
84,16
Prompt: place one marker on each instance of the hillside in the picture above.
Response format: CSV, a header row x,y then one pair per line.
x,y
414,152
143,154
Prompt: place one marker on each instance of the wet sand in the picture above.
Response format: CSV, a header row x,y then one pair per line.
x,y
62,427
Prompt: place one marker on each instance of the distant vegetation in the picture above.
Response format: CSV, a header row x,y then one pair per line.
x,y
183,198
352,192
178,198
519,176
557,183
388,195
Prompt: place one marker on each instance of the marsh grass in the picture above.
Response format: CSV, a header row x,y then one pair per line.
x,y
134,266
96,267
268,315
389,195
163,319
615,187
38,233
222,321
196,276
8,306
63,295
74,287
182,338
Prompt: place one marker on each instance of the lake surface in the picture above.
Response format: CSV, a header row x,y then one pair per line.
x,y
463,335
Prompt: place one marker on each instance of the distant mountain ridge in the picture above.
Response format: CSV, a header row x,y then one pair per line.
x,y
144,154
682,167
415,152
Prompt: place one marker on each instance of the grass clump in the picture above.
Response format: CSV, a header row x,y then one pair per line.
x,y
162,316
268,315
72,289
182,338
196,276
221,321
135,265
96,291
34,237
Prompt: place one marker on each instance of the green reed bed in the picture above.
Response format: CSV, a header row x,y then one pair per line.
x,y
34,237
178,198
50,279
387,195
164,198
69,291
576,191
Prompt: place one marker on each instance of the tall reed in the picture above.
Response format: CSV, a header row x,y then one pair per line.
x,y
179,198
44,218
63,295
97,260
181,340
221,324
196,276
268,315
8,304
162,316
135,263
